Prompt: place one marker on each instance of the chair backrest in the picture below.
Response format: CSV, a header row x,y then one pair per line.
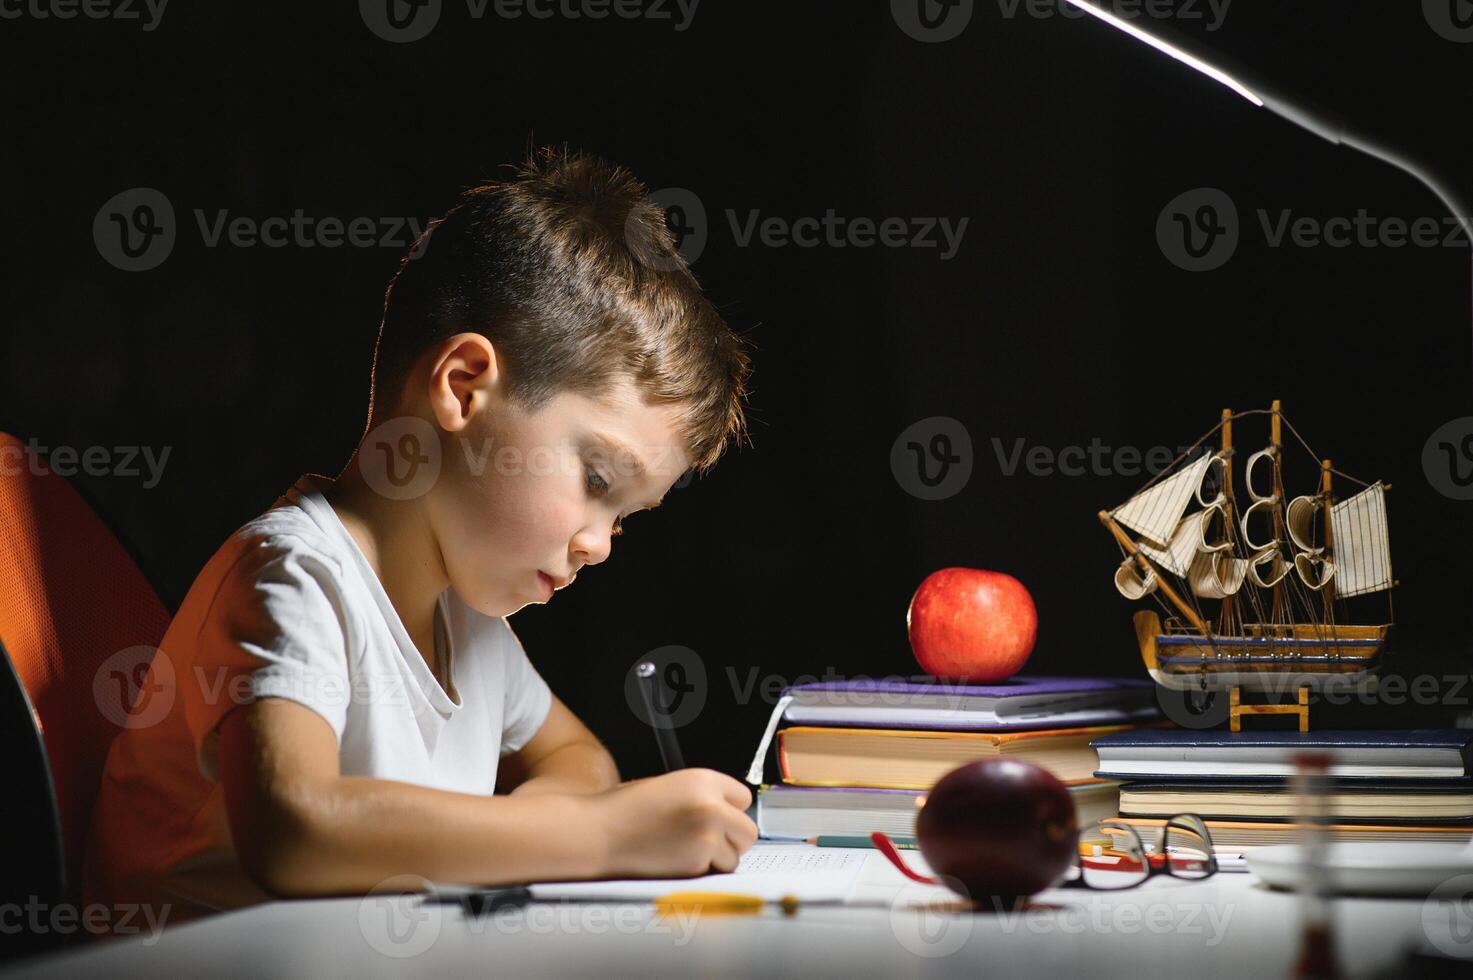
x,y
77,618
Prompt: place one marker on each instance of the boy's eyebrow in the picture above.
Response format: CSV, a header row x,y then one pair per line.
x,y
622,450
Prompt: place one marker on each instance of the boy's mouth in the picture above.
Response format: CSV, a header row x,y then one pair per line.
x,y
549,584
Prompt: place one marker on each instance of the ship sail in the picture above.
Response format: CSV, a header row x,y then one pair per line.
x,y
1263,503
1314,571
1277,567
1155,513
1130,583
1360,541
1299,518
1185,544
1253,493
1215,574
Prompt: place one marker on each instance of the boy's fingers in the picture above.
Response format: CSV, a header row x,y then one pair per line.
x,y
741,832
726,857
737,794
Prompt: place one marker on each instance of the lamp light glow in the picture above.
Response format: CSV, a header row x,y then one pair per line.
x,y
1120,23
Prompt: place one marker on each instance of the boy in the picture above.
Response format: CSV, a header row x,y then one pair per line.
x,y
340,695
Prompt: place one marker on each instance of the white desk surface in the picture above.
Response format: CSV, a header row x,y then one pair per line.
x,y
1227,926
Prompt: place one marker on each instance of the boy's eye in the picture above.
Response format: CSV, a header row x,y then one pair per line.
x,y
599,486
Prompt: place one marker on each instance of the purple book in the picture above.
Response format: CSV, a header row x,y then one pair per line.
x,y
929,703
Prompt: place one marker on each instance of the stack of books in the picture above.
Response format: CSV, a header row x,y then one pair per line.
x,y
859,756
1407,785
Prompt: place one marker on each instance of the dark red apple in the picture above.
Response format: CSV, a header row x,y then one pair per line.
x,y
966,624
1001,828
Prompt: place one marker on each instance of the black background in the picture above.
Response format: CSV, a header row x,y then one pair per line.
x,y
1058,322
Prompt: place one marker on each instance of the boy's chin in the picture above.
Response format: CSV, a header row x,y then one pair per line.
x,y
521,603
502,604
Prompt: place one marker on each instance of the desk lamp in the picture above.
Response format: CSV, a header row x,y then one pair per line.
x,y
1447,178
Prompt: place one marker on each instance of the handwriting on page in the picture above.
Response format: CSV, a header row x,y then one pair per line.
x,y
768,870
776,861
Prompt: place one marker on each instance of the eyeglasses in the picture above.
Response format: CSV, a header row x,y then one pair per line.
x,y
1111,855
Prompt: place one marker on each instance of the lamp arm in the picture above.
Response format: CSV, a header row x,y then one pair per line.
x,y
1447,182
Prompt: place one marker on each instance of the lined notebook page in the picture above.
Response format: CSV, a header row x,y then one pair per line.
x,y
767,870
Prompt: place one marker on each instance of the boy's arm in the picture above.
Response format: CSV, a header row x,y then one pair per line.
x,y
300,827
563,757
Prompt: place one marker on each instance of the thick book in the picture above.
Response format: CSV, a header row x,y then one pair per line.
x,y
1245,835
903,759
922,701
1384,801
1157,753
808,811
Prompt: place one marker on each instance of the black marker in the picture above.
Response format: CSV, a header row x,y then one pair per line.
x,y
669,745
479,901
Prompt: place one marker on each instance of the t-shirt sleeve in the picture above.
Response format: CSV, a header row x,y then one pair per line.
x,y
527,697
277,627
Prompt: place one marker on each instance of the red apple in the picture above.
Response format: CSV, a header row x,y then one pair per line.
x,y
1001,829
966,624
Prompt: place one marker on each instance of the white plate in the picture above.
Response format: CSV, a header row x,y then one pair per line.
x,y
1379,868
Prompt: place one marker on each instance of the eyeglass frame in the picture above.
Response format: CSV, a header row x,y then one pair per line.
x,y
1157,862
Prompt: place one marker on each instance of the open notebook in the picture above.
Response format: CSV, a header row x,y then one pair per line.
x,y
826,874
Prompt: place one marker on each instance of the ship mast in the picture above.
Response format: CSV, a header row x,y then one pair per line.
x,y
1328,592
1227,615
1280,612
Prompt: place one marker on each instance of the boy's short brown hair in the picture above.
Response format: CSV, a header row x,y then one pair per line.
x,y
572,274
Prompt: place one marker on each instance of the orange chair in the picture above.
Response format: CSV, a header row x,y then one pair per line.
x,y
74,609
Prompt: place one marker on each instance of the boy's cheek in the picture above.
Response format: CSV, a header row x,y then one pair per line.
x,y
548,515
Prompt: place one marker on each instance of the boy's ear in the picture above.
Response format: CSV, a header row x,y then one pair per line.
x,y
463,374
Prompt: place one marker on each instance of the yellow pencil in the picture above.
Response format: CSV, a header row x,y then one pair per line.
x,y
719,903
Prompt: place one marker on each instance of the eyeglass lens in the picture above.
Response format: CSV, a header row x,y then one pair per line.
x,y
1112,856
1188,847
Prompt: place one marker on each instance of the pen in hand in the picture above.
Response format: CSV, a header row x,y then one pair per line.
x,y
649,683
479,901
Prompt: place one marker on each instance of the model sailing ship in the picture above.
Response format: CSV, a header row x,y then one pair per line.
x,y
1276,571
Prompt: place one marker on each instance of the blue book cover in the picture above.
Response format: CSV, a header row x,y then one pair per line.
x,y
1175,753
1456,739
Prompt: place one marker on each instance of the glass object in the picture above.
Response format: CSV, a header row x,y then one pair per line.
x,y
1112,855
1311,785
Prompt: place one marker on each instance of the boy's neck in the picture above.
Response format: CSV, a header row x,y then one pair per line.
x,y
400,545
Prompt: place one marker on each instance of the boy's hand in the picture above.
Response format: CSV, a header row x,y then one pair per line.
x,y
684,823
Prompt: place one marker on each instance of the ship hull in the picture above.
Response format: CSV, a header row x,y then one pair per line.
x,y
1277,659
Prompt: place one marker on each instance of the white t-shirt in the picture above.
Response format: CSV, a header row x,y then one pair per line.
x,y
290,608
